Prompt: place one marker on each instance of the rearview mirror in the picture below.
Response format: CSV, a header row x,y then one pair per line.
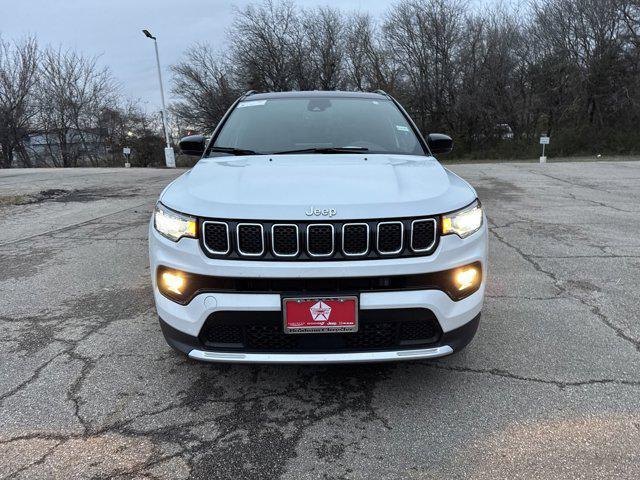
x,y
439,143
193,145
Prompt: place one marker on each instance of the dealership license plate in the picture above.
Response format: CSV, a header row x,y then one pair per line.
x,y
320,314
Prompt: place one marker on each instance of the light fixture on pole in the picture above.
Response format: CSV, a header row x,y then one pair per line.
x,y
169,156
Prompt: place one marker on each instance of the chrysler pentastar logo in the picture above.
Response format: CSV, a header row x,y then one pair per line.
x,y
320,311
320,212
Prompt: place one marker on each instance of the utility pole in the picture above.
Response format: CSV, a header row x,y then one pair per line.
x,y
169,156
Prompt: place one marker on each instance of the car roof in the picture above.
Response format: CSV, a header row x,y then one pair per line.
x,y
314,94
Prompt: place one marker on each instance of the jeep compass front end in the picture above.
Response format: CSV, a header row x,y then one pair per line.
x,y
318,227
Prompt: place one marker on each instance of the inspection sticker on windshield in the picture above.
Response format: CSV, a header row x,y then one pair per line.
x,y
402,128
252,103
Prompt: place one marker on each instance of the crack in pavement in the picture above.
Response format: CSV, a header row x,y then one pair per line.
x,y
573,184
39,461
257,421
560,384
74,225
607,255
525,297
595,309
68,351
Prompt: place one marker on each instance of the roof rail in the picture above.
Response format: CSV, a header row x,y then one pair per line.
x,y
248,93
381,92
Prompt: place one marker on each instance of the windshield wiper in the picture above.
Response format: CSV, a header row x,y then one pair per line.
x,y
233,151
325,150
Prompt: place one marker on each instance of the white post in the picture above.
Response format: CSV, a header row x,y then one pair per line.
x,y
169,156
544,140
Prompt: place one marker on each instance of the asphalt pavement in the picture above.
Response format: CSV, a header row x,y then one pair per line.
x,y
549,388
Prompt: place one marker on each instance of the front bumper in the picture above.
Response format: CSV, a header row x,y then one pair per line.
x,y
450,342
182,324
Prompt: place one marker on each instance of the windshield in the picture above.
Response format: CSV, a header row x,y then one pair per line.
x,y
280,125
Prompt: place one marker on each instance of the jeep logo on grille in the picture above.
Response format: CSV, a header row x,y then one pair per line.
x,y
320,212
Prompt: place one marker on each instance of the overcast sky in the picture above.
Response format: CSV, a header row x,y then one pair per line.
x,y
112,30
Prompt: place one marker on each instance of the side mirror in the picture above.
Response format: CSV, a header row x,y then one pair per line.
x,y
439,143
193,145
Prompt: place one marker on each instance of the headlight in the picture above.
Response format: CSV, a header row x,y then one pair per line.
x,y
463,222
174,225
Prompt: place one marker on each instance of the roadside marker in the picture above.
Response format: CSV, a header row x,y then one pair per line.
x,y
544,140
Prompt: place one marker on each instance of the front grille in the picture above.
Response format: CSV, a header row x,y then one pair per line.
x,y
422,234
355,239
390,237
308,241
216,237
263,332
320,240
285,240
250,239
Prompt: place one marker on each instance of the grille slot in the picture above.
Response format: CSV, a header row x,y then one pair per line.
x,y
320,240
224,335
423,234
373,335
355,239
285,240
418,331
268,337
216,237
250,239
390,237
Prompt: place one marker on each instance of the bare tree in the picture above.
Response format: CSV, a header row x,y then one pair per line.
x,y
324,30
494,78
204,83
264,39
71,92
426,36
18,66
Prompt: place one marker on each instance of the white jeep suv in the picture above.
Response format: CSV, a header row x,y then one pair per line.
x,y
318,227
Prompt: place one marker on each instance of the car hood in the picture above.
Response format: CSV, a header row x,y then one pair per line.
x,y
284,187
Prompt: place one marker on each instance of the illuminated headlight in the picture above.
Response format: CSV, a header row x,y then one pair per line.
x,y
463,222
174,225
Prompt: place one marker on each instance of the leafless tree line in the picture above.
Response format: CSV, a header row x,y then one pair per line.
x,y
495,79
59,108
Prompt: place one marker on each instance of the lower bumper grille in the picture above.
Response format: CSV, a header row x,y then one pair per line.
x,y
378,330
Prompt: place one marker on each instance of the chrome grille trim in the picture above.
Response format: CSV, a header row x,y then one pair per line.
x,y
333,239
273,240
368,237
382,252
226,226
435,229
238,239
264,238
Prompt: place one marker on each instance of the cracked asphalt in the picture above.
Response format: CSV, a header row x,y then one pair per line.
x,y
549,388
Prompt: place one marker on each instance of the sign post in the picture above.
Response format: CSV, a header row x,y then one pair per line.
x,y
544,140
126,151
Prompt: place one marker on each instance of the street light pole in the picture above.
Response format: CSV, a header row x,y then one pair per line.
x,y
169,156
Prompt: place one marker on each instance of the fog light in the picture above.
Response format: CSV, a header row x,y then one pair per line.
x,y
173,282
466,278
